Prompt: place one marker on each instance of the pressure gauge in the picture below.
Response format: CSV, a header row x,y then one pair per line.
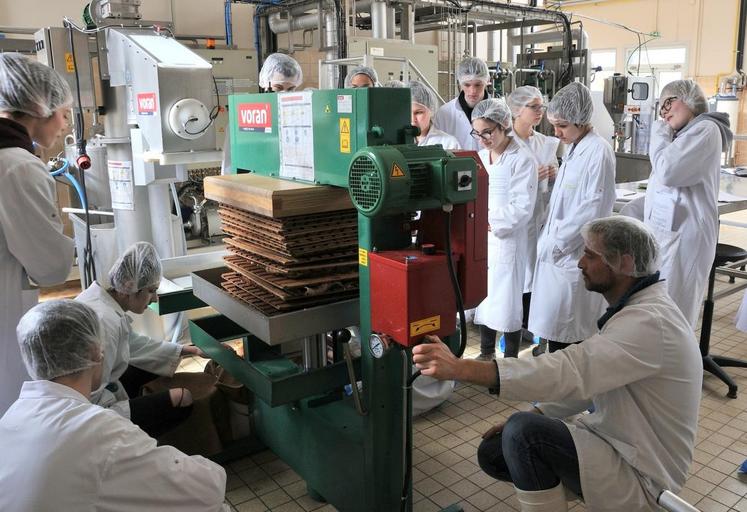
x,y
378,345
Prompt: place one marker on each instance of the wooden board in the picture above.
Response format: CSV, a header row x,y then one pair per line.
x,y
275,197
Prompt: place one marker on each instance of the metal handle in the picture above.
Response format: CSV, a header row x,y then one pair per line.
x,y
673,503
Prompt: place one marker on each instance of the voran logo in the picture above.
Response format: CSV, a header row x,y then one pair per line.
x,y
146,103
253,117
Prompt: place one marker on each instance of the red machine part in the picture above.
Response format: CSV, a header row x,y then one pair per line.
x,y
469,238
411,295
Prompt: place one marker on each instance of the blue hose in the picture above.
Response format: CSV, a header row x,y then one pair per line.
x,y
64,171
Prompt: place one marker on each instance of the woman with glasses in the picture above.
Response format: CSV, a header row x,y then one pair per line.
x,y
527,109
563,311
681,203
512,178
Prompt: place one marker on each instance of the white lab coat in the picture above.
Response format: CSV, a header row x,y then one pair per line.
x,y
451,119
562,308
681,208
512,191
543,150
60,452
31,246
643,374
123,347
436,136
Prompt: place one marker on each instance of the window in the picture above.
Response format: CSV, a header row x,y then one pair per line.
x,y
663,63
605,59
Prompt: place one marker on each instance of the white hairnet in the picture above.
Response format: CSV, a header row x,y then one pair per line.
x,y
619,235
394,84
278,68
521,97
30,87
494,109
59,337
138,268
472,68
423,95
572,103
689,93
361,70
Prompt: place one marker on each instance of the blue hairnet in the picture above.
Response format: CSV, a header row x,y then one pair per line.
x,y
572,103
361,70
138,268
472,68
29,87
494,109
58,338
279,68
689,93
521,97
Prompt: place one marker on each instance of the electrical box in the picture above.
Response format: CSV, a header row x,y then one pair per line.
x,y
311,136
54,49
411,295
235,72
423,56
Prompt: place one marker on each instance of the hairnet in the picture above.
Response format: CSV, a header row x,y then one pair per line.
x,y
279,67
361,70
423,95
494,109
521,97
689,93
572,103
139,267
619,235
394,84
29,87
57,338
472,68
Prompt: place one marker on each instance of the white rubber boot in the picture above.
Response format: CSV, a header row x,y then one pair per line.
x,y
549,500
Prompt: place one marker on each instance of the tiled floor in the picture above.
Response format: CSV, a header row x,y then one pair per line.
x,y
445,442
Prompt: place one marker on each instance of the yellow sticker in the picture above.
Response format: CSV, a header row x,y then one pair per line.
x,y
327,109
344,135
69,62
362,257
397,172
430,324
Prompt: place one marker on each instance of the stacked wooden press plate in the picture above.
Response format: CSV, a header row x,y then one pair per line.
x,y
282,260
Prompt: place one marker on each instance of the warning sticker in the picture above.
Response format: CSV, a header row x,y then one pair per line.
x,y
425,325
69,62
397,171
362,257
344,135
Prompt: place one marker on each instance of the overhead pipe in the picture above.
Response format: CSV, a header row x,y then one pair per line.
x,y
301,20
378,19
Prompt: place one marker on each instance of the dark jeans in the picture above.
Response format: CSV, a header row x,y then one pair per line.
x,y
154,413
526,300
552,346
487,341
534,452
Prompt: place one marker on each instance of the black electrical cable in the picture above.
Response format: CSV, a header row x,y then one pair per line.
x,y
89,267
462,346
212,115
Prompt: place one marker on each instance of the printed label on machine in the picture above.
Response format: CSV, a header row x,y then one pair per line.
x,y
120,184
397,171
255,117
146,104
426,325
362,257
344,135
344,103
69,62
295,117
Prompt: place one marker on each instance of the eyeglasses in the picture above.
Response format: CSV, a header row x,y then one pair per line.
x,y
537,108
667,104
483,135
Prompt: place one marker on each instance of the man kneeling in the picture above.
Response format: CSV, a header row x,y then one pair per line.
x,y
61,452
642,374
